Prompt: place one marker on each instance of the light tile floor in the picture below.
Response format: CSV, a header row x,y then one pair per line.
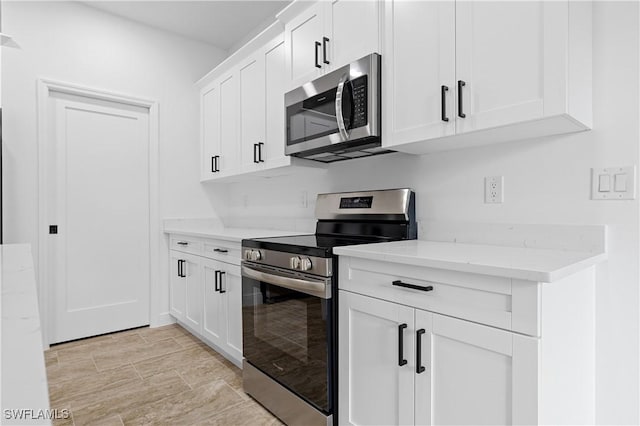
x,y
148,376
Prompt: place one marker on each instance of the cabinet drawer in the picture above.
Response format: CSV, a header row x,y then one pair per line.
x,y
479,298
225,251
185,244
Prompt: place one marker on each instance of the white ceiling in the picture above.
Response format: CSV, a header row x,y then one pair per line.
x,y
221,23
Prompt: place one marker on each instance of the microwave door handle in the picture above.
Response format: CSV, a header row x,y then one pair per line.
x,y
344,133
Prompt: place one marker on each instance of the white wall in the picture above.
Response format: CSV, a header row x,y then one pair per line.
x,y
73,43
546,181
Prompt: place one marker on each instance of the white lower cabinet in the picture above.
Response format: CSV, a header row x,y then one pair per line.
x,y
205,293
223,306
419,345
186,289
400,365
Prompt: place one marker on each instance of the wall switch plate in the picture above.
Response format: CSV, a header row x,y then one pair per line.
x,y
304,199
494,189
613,183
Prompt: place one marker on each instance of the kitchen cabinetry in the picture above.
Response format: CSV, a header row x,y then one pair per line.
x,y
242,114
206,291
409,366
223,306
428,346
328,35
186,289
484,72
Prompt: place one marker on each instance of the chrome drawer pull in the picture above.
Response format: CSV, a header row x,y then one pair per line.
x,y
182,243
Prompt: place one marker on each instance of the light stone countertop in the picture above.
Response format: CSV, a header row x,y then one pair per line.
x,y
541,265
24,378
215,229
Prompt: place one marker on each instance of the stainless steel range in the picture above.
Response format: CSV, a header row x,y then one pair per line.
x,y
289,302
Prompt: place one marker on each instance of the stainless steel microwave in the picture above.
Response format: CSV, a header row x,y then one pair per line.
x,y
337,116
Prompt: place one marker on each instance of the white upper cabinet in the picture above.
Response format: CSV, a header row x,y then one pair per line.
x,y
242,113
210,128
512,70
275,79
303,38
252,108
328,35
500,59
229,110
419,71
353,30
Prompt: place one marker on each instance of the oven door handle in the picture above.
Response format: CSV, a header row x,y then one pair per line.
x,y
344,133
317,288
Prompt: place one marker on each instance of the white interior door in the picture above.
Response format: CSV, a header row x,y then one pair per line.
x,y
98,196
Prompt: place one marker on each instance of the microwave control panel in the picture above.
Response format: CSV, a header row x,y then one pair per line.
x,y
359,87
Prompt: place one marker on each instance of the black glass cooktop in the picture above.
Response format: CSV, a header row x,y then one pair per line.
x,y
310,245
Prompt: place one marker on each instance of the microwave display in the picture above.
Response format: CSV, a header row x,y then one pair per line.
x,y
315,117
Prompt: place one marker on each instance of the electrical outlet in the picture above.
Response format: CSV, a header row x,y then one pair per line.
x,y
494,189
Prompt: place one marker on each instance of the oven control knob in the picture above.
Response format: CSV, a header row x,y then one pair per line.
x,y
294,262
305,264
247,254
255,255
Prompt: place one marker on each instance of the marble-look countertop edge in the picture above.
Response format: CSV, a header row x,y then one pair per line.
x,y
230,234
463,264
24,379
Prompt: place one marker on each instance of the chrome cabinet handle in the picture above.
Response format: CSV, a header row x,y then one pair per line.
x,y
219,250
182,243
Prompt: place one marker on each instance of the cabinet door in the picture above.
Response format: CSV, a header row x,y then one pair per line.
x,y
500,56
373,387
229,111
251,75
301,35
275,82
419,60
210,127
479,375
353,30
176,286
192,269
423,336
213,325
231,289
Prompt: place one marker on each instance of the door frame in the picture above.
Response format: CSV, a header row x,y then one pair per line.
x,y
45,87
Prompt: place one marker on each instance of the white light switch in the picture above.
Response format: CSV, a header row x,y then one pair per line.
x,y
613,183
604,183
620,182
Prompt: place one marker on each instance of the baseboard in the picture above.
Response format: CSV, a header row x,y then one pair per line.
x,y
162,319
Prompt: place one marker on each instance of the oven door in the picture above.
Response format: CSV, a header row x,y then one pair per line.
x,y
288,330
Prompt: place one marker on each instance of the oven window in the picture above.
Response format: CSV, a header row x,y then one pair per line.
x,y
286,334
